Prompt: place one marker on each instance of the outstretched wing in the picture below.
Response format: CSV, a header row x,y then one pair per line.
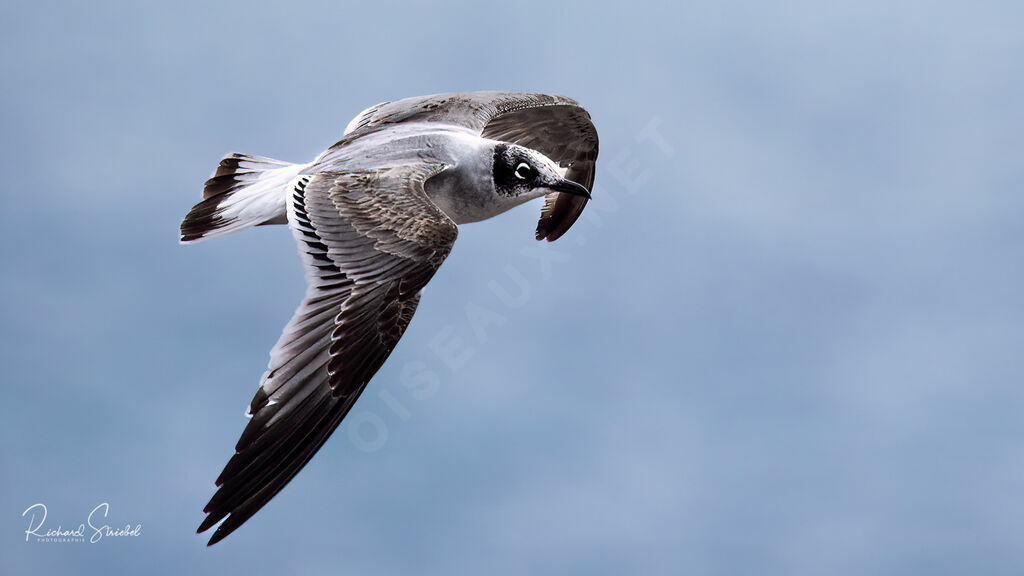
x,y
554,125
370,240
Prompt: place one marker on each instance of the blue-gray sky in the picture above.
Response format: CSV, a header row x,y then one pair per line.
x,y
786,340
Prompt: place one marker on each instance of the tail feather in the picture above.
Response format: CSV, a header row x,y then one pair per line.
x,y
245,191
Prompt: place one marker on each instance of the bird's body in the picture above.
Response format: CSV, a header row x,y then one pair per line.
x,y
373,217
464,193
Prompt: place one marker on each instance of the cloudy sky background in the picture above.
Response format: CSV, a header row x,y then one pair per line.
x,y
786,337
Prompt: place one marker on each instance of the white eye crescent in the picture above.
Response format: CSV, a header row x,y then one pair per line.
x,y
523,171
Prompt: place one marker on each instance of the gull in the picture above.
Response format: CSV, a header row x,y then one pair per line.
x,y
373,217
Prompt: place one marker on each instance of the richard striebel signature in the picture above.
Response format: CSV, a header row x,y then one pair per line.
x,y
96,529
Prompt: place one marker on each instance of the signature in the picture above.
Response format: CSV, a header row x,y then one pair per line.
x,y
97,529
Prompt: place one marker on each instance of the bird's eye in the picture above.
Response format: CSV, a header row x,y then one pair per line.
x,y
524,171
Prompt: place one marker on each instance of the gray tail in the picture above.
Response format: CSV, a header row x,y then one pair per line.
x,y
245,191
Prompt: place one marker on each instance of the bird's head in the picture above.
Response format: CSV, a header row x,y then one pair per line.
x,y
524,174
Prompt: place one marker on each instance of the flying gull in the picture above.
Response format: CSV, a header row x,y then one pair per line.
x,y
373,217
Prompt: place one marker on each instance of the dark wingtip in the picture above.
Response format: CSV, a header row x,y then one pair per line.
x,y
217,537
219,534
207,523
560,212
